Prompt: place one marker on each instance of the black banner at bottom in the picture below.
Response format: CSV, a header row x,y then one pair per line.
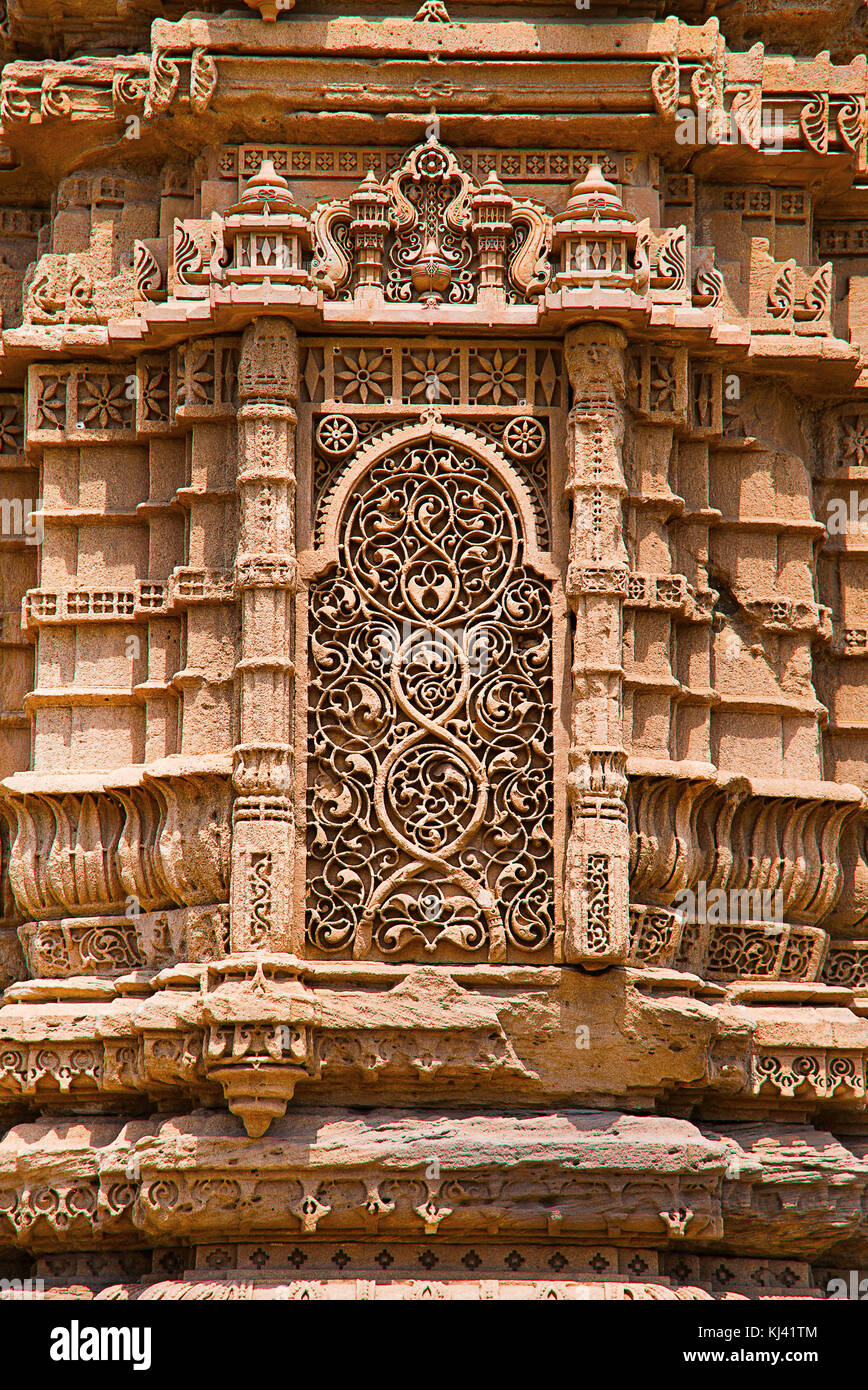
x,y
175,1339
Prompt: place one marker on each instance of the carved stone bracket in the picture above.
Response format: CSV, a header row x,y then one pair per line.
x,y
728,833
155,844
258,1038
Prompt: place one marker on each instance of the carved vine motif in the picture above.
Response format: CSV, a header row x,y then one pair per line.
x,y
524,440
430,772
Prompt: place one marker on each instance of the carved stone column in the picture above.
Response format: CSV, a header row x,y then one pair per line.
x,y
597,861
267,576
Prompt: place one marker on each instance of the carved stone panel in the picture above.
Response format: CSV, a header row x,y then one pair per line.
x,y
430,758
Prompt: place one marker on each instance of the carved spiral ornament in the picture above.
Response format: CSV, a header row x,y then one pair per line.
x,y
430,768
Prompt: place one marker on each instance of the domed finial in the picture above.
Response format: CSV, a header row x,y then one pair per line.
x,y
595,193
267,191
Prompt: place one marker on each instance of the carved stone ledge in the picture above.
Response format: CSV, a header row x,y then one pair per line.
x,y
387,1174
692,824
407,1033
160,842
264,1029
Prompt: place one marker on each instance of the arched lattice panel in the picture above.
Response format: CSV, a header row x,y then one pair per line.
x,y
430,712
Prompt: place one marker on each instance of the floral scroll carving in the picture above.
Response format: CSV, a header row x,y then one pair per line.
x,y
430,710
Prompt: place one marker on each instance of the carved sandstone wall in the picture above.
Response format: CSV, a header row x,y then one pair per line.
x,y
434,480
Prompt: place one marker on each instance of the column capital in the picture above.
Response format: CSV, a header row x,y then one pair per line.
x,y
269,361
596,364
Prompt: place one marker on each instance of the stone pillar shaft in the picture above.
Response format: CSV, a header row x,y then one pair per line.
x,y
597,861
263,847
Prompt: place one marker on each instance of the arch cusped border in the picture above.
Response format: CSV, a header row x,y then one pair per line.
x,y
432,427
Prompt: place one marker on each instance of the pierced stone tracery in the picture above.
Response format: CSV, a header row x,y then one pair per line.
x,y
430,717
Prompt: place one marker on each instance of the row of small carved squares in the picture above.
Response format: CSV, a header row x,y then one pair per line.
x,y
147,598
95,402
101,1266
786,204
326,1258
333,1259
107,946
841,238
723,1272
241,162
665,593
790,615
745,950
377,373
657,591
